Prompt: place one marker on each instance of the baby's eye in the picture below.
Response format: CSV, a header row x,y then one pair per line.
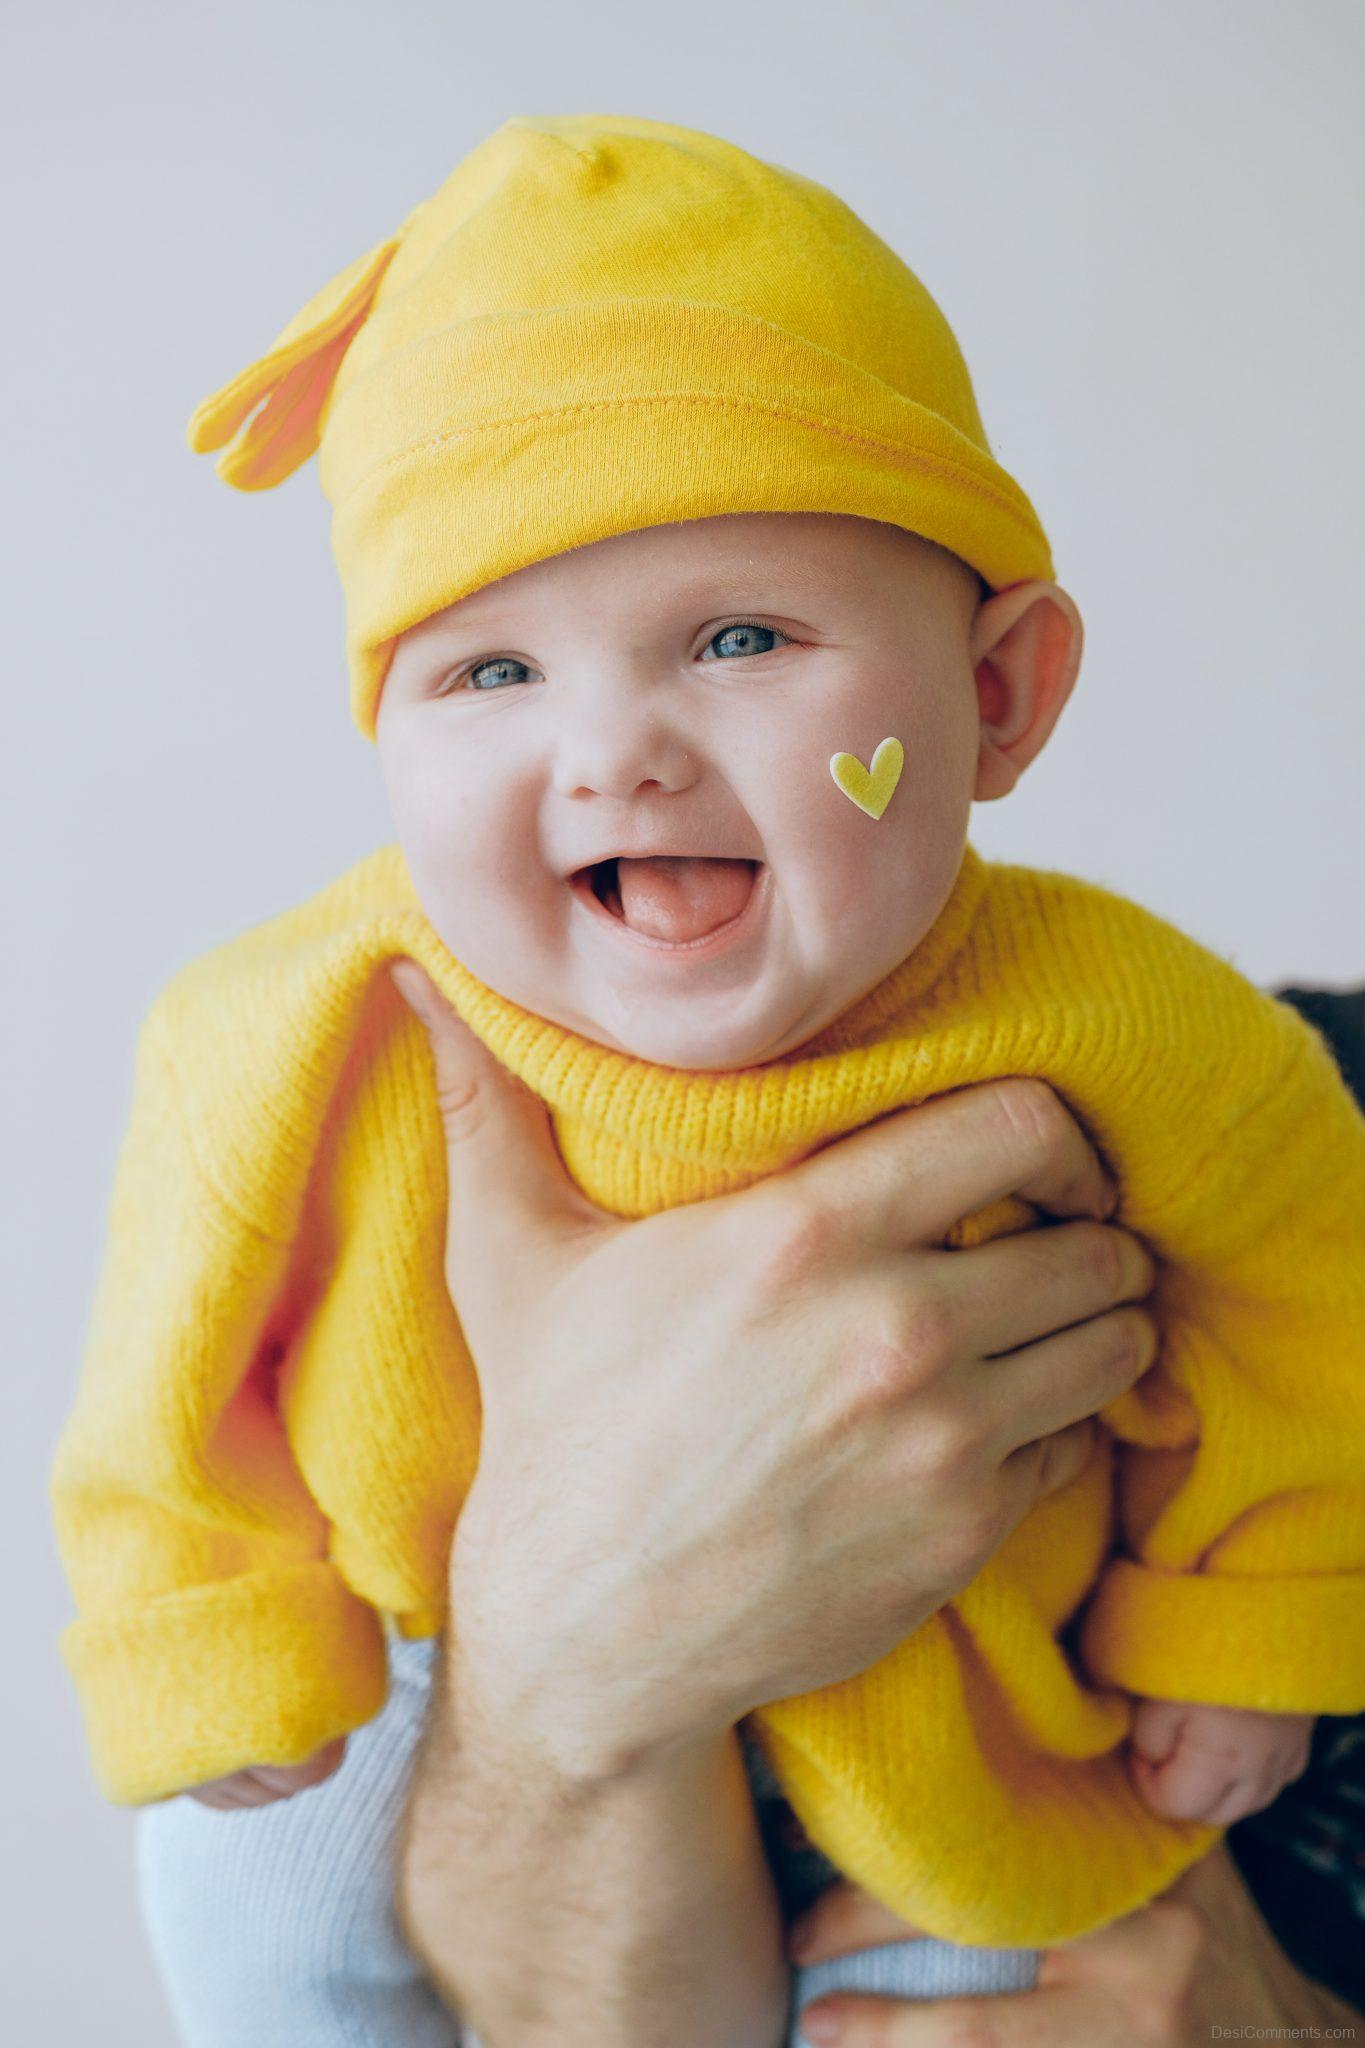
x,y
472,680
743,631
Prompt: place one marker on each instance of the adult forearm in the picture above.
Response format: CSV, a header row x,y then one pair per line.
x,y
588,1912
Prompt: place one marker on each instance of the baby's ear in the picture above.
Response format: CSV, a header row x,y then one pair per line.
x,y
294,376
1025,652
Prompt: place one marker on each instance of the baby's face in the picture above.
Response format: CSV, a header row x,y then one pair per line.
x,y
609,774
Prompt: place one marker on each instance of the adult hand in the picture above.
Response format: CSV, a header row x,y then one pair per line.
x,y
1197,1959
739,1450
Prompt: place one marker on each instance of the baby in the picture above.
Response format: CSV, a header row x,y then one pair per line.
x,y
744,620
642,842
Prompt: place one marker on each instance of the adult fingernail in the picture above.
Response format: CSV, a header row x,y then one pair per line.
x,y
821,2027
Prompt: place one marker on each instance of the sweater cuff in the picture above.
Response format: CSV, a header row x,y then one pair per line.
x,y
260,1669
1284,1646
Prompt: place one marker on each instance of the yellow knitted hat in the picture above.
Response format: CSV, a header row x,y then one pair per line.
x,y
598,323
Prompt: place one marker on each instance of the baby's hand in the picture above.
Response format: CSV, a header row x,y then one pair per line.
x,y
261,1784
1214,1764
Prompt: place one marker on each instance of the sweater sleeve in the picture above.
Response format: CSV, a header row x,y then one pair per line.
x,y
212,1630
1241,1466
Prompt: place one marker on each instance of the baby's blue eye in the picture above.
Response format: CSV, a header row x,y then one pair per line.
x,y
500,661
745,629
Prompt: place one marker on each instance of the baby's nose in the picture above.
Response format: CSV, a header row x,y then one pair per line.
x,y
620,751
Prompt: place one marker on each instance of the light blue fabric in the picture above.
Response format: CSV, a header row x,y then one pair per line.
x,y
915,1969
274,1926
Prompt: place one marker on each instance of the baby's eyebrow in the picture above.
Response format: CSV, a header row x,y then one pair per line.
x,y
729,588
471,621
723,591
432,640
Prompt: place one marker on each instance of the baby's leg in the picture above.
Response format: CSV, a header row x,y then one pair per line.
x,y
274,1926
914,1969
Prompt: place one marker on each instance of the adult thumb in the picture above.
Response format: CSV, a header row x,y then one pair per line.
x,y
504,1169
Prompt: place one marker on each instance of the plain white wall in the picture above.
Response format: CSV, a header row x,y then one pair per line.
x,y
1143,221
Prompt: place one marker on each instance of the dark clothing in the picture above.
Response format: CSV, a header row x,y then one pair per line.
x,y
1304,1857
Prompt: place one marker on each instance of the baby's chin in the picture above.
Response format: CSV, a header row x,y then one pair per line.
x,y
690,1052
683,1035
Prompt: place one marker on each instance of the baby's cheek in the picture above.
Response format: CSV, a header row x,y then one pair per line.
x,y
880,881
788,789
471,844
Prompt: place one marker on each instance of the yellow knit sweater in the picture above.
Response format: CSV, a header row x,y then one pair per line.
x,y
277,1419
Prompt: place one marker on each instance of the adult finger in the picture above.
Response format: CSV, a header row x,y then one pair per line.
x,y
1125,1986
1045,1387
907,1179
843,1920
1059,2018
1044,1467
1013,1290
505,1172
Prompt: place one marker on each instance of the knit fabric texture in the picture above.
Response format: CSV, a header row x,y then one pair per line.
x,y
277,1418
599,323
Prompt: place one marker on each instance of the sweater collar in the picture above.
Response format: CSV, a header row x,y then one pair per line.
x,y
782,1103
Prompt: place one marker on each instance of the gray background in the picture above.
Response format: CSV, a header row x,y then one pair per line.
x,y
1144,222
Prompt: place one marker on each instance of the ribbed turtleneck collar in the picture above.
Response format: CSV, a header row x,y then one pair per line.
x,y
779,1105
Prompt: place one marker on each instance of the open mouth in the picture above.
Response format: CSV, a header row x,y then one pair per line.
x,y
673,899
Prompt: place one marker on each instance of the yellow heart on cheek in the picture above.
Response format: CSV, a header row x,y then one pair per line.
x,y
871,789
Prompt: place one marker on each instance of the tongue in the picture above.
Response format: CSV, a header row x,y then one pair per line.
x,y
677,898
